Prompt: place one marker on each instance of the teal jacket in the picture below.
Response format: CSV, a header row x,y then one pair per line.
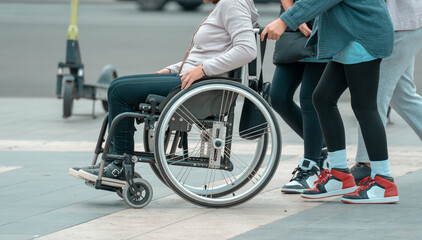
x,y
343,21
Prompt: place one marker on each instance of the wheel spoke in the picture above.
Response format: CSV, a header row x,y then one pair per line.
x,y
240,166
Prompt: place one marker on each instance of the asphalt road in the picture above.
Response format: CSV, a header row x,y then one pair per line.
x,y
33,40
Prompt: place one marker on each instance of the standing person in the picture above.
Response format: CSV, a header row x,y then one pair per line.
x,y
303,120
354,35
397,87
224,41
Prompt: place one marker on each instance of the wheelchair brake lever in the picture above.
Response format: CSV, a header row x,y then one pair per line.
x,y
151,120
153,106
266,92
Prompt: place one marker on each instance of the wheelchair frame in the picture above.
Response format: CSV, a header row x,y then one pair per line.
x,y
217,156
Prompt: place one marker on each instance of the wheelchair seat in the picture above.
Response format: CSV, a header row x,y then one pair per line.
x,y
161,101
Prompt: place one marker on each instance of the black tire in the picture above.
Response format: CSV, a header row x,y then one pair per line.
x,y
145,196
220,198
190,6
151,5
69,90
120,190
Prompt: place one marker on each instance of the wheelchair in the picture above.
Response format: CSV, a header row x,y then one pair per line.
x,y
195,142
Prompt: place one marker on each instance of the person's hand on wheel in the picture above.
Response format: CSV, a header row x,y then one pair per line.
x,y
191,76
305,30
274,30
164,70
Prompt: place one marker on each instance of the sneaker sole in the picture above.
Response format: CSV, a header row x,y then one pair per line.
x,y
292,191
74,173
105,181
371,201
329,194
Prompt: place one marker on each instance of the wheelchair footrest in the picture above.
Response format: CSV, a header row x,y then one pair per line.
x,y
103,187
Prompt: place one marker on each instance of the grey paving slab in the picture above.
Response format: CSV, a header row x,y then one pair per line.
x,y
18,236
40,197
335,220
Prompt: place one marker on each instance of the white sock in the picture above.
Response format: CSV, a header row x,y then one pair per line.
x,y
337,159
380,168
306,164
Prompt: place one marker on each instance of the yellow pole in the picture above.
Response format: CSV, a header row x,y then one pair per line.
x,y
72,31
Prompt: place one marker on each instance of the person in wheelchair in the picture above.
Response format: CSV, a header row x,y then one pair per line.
x,y
224,41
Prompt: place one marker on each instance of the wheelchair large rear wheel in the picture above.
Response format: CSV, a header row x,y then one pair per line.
x,y
209,161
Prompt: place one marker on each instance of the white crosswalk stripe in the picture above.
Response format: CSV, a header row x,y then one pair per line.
x,y
8,168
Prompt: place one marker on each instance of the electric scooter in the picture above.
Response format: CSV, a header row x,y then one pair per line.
x,y
70,74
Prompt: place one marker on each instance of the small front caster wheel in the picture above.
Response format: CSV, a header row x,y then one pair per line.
x,y
119,191
138,199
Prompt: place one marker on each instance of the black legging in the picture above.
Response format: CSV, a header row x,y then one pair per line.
x,y
362,81
303,120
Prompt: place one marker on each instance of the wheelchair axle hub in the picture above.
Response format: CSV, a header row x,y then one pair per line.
x,y
218,132
218,143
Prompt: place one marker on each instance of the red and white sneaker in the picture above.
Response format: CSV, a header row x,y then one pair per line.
x,y
381,189
338,181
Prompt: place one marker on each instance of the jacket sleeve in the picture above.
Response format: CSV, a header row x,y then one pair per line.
x,y
238,24
174,68
306,10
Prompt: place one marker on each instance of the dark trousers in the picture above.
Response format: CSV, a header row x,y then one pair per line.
x,y
303,120
125,94
362,81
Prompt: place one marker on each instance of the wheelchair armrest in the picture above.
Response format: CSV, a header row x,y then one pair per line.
x,y
152,97
152,101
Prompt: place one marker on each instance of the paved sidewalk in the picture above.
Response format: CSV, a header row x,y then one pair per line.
x,y
39,199
332,220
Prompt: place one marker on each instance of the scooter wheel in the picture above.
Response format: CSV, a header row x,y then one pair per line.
x,y
68,98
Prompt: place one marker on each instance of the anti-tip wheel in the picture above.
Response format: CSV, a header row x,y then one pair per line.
x,y
139,199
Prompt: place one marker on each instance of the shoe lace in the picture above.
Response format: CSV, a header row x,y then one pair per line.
x,y
365,183
323,177
299,174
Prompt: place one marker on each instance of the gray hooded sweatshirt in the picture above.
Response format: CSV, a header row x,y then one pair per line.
x,y
406,14
225,41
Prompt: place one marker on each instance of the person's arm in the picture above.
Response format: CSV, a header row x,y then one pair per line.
x,y
303,28
306,10
301,12
164,70
238,24
287,4
174,68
